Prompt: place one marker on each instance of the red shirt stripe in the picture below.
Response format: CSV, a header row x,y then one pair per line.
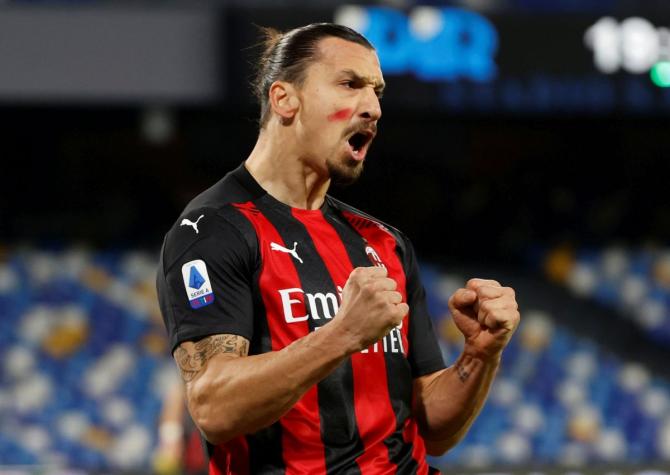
x,y
303,449
372,406
231,458
383,242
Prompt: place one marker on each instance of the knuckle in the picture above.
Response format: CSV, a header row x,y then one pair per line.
x,y
455,296
451,305
365,270
509,302
368,289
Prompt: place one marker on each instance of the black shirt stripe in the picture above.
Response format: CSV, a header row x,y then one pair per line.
x,y
340,436
397,369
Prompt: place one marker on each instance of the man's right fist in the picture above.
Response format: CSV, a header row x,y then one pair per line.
x,y
371,307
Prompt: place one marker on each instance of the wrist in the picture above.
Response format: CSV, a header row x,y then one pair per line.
x,y
335,338
486,355
170,432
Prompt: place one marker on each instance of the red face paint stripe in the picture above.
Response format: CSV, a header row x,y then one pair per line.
x,y
343,114
303,450
372,406
385,244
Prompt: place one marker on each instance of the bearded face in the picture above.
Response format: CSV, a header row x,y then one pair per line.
x,y
340,108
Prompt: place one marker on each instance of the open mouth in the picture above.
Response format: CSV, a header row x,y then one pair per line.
x,y
359,142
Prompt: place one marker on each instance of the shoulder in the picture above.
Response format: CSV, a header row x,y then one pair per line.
x,y
361,220
237,186
215,234
210,223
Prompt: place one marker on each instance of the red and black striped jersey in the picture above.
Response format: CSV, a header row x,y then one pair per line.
x,y
238,261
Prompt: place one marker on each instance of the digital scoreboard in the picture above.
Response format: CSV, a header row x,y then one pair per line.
x,y
457,59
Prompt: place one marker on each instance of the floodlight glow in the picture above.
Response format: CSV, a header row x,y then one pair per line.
x,y
660,74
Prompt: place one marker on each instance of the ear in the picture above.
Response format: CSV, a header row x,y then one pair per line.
x,y
284,100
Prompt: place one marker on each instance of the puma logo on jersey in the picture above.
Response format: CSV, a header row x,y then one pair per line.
x,y
188,222
277,247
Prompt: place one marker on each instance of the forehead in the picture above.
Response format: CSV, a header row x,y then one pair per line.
x,y
337,55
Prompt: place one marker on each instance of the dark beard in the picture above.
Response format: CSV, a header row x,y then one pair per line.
x,y
345,173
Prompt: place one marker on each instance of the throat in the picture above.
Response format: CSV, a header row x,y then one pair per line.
x,y
286,176
298,190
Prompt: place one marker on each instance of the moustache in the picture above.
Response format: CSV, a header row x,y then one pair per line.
x,y
366,128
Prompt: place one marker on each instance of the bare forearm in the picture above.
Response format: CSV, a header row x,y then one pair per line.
x,y
452,401
230,393
173,405
235,396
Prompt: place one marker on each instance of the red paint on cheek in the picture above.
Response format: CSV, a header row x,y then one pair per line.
x,y
343,114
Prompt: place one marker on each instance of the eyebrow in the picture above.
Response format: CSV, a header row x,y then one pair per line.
x,y
379,85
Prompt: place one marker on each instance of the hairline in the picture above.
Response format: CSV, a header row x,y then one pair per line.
x,y
305,64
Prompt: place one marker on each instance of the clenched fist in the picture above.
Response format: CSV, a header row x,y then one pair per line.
x,y
487,314
371,307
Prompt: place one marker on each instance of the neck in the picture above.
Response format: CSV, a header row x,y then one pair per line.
x,y
276,164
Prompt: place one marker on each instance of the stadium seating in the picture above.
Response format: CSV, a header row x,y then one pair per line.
x,y
559,398
634,282
84,359
84,366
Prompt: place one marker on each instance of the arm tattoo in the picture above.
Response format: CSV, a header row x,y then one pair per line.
x,y
193,357
464,368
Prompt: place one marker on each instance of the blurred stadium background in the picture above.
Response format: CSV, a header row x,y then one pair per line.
x,y
533,134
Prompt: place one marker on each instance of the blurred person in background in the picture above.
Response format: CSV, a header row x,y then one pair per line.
x,y
265,257
179,449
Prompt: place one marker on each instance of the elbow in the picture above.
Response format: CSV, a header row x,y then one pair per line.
x,y
433,450
213,420
438,442
213,431
436,448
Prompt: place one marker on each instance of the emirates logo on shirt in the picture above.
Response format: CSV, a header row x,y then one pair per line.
x,y
319,305
324,306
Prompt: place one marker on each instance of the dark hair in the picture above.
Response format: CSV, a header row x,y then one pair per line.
x,y
286,56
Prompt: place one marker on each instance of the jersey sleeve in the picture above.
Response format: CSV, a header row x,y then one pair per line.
x,y
204,281
424,356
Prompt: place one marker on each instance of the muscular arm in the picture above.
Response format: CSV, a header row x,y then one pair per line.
x,y
447,402
230,393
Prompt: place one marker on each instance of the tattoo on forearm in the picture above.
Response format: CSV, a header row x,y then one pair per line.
x,y
462,371
192,357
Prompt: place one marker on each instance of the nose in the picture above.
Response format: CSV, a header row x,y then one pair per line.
x,y
371,108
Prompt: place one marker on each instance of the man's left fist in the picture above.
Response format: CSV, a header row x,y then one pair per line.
x,y
487,314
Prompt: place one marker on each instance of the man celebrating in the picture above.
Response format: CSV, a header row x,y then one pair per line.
x,y
274,258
